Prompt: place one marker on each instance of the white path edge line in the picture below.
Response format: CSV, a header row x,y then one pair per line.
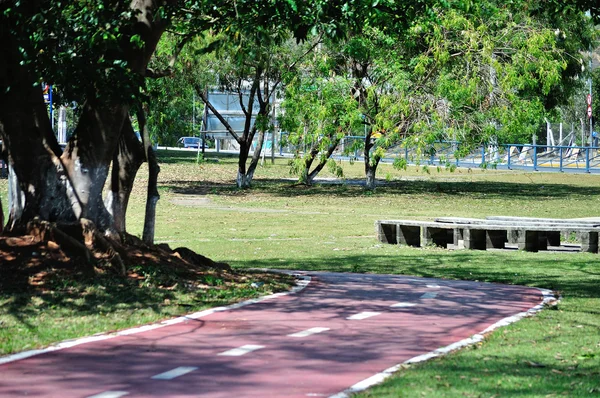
x,y
303,282
378,378
243,350
403,305
308,332
110,394
174,373
363,315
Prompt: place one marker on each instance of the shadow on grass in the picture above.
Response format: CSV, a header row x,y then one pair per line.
x,y
572,275
172,156
450,189
82,297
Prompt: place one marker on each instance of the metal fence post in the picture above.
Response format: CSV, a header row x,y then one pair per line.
x,y
483,155
560,156
587,159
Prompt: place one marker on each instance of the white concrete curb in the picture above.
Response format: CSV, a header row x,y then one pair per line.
x,y
303,281
380,377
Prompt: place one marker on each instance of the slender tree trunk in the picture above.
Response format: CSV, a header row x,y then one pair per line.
x,y
308,161
1,217
126,162
241,176
370,176
151,199
370,164
322,162
255,157
152,196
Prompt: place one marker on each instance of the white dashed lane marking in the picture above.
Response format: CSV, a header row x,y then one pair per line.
x,y
173,373
433,286
236,352
363,315
110,394
308,332
429,295
400,305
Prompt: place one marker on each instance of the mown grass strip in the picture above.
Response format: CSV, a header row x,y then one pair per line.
x,y
330,227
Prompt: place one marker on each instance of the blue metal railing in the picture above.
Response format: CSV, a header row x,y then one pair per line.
x,y
572,159
512,157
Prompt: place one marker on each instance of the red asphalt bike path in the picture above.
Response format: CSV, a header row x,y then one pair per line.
x,y
429,314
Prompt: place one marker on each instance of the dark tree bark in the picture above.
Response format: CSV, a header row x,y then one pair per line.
x,y
126,162
67,186
371,163
91,149
1,217
40,185
152,199
152,189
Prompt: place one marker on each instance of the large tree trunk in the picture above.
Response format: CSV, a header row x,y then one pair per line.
x,y
68,187
41,188
126,162
88,155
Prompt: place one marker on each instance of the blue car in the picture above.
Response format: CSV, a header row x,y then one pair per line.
x,y
190,142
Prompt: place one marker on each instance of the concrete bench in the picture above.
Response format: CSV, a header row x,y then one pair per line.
x,y
563,226
545,220
478,234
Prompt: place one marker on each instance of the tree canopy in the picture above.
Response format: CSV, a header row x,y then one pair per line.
x,y
418,68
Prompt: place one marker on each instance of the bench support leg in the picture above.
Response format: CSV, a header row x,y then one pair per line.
x,y
589,242
458,238
513,236
529,240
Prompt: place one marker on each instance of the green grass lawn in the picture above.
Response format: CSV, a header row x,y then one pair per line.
x,y
331,227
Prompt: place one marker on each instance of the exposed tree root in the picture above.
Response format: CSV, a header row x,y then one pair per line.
x,y
195,258
44,231
83,249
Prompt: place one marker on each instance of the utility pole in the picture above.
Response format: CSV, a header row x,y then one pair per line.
x,y
194,114
590,98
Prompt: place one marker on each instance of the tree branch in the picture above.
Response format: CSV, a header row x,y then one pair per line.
x,y
169,70
217,114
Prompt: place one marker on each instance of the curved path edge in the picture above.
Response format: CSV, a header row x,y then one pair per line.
x,y
302,283
548,296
